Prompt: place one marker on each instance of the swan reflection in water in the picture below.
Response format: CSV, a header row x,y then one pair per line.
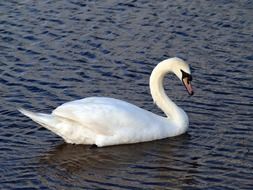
x,y
114,164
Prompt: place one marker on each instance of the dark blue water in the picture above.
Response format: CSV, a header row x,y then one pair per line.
x,y
57,51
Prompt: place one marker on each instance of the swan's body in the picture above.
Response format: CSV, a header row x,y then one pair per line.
x,y
106,121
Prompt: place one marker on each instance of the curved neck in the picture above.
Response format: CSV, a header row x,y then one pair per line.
x,y
159,96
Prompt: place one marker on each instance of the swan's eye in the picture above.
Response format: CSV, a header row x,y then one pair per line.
x,y
186,75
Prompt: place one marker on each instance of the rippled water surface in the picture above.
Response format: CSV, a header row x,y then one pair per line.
x,y
57,51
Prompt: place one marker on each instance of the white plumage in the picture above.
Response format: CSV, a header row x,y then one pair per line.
x,y
107,121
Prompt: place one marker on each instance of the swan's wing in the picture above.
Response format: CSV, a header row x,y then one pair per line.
x,y
103,115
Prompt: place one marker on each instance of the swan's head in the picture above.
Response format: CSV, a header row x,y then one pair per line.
x,y
182,71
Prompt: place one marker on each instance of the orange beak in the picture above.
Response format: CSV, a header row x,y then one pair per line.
x,y
188,85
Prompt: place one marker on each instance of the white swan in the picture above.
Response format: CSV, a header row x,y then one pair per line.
x,y
105,121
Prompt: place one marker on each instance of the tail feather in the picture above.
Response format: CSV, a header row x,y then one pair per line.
x,y
40,118
67,129
46,120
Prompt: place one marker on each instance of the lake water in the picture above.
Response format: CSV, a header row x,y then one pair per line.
x,y
57,51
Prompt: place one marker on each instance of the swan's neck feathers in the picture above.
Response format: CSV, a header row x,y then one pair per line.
x,y
172,111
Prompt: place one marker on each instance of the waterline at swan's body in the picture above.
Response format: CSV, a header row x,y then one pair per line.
x,y
107,121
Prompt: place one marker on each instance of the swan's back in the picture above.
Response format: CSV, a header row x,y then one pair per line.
x,y
104,115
